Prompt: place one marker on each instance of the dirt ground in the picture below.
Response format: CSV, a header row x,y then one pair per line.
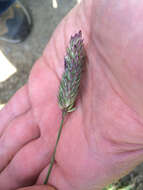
x,y
22,57
133,181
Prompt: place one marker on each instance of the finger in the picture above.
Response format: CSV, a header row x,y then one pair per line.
x,y
58,178
20,131
25,167
38,187
18,104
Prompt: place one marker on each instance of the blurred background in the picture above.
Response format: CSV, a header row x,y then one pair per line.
x,y
16,62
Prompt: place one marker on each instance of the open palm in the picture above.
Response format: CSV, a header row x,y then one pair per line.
x,y
102,139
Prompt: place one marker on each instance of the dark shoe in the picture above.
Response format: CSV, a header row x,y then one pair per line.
x,y
15,23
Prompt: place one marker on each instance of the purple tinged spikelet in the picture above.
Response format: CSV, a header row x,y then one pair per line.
x,y
70,82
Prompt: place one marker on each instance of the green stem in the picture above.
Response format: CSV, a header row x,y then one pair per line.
x,y
53,155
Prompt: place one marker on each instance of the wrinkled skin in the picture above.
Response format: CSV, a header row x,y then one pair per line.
x,y
103,139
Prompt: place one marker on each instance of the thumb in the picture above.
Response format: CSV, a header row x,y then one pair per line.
x,y
38,187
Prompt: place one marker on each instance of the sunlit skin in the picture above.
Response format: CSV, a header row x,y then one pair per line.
x,y
103,139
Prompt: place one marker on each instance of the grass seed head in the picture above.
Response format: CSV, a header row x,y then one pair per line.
x,y
70,82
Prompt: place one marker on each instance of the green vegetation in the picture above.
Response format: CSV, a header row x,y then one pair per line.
x,y
114,187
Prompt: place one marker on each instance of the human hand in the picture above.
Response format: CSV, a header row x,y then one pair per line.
x,y
102,140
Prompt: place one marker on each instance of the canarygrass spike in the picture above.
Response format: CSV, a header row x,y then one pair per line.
x,y
69,85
